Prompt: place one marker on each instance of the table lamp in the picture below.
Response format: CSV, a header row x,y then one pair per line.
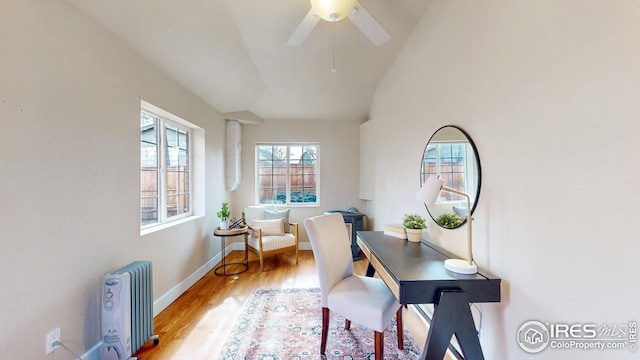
x,y
428,194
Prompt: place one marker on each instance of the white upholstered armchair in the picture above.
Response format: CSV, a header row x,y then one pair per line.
x,y
270,232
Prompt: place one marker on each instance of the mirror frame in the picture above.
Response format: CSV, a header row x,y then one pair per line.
x,y
479,169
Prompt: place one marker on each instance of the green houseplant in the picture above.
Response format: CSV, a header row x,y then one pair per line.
x,y
223,215
414,224
449,221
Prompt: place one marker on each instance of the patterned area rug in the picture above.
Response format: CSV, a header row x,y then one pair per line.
x,y
278,324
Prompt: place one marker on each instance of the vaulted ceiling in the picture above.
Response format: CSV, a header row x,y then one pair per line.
x,y
234,54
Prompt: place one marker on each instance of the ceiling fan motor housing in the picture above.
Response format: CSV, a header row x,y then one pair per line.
x,y
333,10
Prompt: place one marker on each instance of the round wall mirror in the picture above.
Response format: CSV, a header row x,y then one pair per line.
x,y
452,155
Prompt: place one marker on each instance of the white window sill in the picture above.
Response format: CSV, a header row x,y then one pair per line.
x,y
292,205
167,225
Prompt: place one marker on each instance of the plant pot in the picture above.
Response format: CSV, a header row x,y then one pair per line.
x,y
414,235
224,225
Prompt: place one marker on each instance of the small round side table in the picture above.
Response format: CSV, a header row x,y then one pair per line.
x,y
223,234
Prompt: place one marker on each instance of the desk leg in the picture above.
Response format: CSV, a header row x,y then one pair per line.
x,y
452,315
370,270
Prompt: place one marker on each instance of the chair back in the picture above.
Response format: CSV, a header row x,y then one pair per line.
x,y
331,250
253,213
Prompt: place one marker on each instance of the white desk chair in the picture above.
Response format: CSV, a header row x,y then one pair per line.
x,y
365,300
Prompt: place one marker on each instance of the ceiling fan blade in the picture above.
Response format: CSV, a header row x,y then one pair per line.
x,y
304,29
369,26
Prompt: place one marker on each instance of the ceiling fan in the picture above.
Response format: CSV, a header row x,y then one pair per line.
x,y
336,10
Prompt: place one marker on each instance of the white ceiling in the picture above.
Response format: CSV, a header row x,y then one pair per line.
x,y
233,53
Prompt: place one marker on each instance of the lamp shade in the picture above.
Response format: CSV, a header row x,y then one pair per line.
x,y
429,192
333,10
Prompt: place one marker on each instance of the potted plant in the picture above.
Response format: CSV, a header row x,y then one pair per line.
x,y
223,215
449,221
414,224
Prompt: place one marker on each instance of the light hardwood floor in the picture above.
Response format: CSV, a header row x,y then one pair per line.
x,y
196,325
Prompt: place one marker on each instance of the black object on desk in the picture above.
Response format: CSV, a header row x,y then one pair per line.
x,y
415,274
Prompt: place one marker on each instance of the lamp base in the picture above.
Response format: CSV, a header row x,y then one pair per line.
x,y
460,266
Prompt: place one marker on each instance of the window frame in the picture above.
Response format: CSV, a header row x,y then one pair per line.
x,y
167,120
288,191
447,197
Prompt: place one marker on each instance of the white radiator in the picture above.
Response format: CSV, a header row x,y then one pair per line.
x,y
127,310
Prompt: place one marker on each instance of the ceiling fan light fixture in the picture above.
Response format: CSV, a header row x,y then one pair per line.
x,y
333,10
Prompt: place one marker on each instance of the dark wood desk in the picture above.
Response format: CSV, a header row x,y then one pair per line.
x,y
415,273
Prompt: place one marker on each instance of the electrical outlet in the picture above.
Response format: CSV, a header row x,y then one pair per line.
x,y
51,338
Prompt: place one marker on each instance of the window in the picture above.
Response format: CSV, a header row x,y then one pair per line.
x,y
165,169
288,174
449,161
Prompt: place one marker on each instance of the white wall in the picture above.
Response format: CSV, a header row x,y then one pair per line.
x,y
69,185
339,152
549,92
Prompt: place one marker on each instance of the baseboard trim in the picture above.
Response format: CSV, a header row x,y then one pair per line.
x,y
170,296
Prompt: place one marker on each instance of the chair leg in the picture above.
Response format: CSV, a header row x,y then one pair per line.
x,y
400,329
379,345
325,329
261,262
347,324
